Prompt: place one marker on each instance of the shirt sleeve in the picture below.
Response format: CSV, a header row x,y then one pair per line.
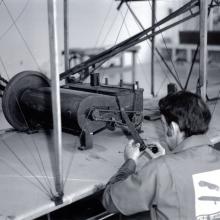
x,y
134,193
125,170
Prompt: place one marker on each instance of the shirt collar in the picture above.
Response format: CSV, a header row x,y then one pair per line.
x,y
193,141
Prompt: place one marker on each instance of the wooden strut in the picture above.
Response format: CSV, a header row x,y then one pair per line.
x,y
138,38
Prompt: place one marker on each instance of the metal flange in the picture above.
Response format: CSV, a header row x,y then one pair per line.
x,y
11,105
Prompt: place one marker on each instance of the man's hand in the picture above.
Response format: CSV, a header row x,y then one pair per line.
x,y
160,152
132,151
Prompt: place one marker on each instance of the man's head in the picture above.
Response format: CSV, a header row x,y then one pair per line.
x,y
184,114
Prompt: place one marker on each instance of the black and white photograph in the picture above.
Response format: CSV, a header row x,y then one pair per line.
x,y
110,110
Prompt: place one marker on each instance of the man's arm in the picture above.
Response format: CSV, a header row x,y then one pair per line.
x,y
133,194
130,192
126,170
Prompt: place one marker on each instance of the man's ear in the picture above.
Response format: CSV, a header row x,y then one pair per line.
x,y
174,128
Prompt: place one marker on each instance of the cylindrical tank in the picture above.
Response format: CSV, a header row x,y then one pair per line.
x,y
27,103
75,108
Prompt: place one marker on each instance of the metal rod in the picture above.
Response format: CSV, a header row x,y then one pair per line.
x,y
52,10
134,77
66,32
122,65
203,47
153,46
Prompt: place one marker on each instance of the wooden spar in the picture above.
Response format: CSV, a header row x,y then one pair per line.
x,y
55,90
203,47
66,32
153,46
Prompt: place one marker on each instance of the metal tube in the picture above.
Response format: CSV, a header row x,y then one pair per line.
x,y
203,47
66,32
134,77
55,94
122,65
153,46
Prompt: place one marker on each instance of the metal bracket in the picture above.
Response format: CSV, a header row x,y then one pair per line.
x,y
58,200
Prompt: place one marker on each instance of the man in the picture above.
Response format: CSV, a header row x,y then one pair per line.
x,y
183,184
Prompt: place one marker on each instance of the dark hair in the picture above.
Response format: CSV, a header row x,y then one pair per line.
x,y
188,110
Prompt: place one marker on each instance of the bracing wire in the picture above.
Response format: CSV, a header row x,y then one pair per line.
x,y
100,64
23,116
126,26
142,27
119,32
36,161
41,161
158,52
21,35
116,40
139,61
111,26
26,167
74,147
71,161
16,19
23,176
165,44
42,164
103,24
3,65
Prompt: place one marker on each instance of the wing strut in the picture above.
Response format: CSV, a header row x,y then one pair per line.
x,y
55,88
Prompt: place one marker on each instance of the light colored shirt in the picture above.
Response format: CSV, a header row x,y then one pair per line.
x,y
182,185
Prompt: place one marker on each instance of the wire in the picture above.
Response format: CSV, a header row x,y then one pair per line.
x,y
16,19
158,52
71,159
26,122
25,166
100,64
169,55
103,24
126,26
21,35
23,176
112,24
42,164
3,65
36,162
141,27
123,21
